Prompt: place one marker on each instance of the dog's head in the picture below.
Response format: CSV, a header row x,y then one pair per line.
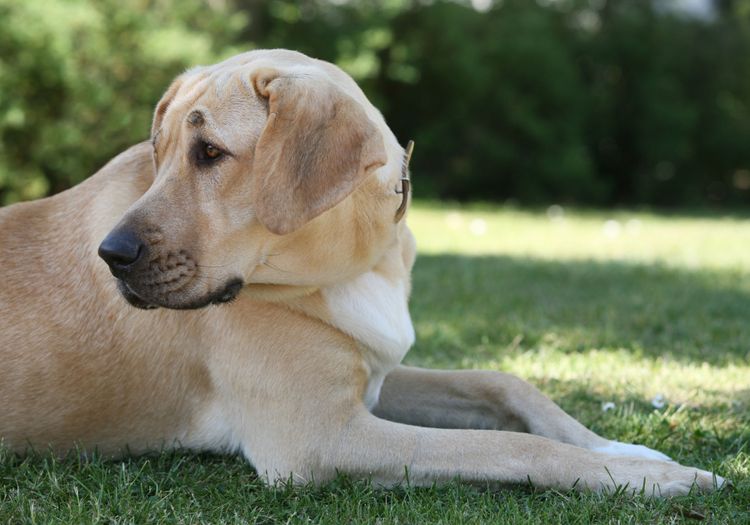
x,y
271,168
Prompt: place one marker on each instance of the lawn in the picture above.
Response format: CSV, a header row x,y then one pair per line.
x,y
636,323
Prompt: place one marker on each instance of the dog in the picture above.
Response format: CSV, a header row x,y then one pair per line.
x,y
239,283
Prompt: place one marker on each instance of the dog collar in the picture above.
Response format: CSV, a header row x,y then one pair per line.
x,y
405,182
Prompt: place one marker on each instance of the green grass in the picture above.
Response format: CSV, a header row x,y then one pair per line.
x,y
590,311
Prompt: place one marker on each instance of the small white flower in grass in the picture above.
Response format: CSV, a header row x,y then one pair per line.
x,y
607,406
658,401
478,227
611,229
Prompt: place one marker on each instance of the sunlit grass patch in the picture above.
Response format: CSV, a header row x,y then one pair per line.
x,y
558,233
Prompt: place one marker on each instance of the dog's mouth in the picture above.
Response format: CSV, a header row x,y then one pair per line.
x,y
226,294
133,298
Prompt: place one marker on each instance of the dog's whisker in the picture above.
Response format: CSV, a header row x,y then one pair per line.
x,y
276,268
207,279
212,265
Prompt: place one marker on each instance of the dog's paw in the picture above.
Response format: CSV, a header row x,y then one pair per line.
x,y
686,480
616,448
658,478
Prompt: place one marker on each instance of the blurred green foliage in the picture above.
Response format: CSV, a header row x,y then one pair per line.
x,y
590,101
79,80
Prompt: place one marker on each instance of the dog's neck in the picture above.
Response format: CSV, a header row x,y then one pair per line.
x,y
372,308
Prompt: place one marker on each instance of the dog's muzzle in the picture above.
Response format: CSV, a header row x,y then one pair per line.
x,y
148,278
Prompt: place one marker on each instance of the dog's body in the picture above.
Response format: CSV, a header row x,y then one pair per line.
x,y
271,182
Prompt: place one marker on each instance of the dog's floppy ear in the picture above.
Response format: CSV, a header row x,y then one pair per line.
x,y
317,146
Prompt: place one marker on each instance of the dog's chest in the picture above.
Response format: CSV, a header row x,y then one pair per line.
x,y
374,311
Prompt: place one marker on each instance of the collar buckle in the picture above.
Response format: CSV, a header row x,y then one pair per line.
x,y
405,182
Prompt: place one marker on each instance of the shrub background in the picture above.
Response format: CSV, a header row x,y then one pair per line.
x,y
596,102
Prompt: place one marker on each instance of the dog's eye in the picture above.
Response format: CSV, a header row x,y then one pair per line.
x,y
211,152
207,153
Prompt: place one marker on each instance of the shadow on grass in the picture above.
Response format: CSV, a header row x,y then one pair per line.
x,y
479,305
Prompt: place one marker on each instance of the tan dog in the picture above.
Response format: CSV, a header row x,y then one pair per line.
x,y
270,182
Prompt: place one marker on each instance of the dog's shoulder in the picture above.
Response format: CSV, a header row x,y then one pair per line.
x,y
134,166
68,226
131,168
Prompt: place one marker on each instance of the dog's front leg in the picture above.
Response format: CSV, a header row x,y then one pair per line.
x,y
487,400
314,426
297,412
390,453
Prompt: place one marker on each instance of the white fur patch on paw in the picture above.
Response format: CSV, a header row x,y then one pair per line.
x,y
616,448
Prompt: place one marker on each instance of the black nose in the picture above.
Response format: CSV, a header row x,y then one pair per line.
x,y
121,249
